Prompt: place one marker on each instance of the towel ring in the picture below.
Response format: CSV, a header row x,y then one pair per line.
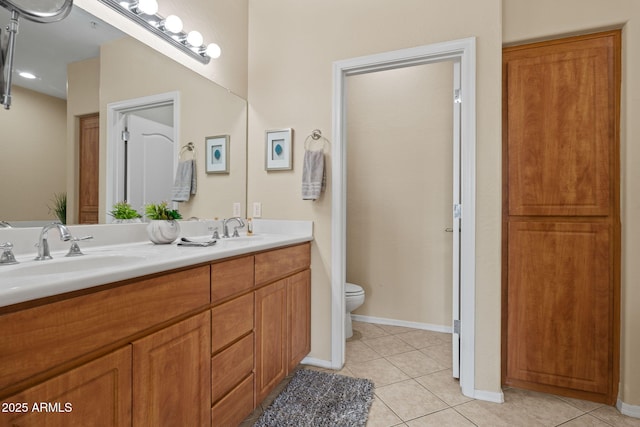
x,y
186,148
316,134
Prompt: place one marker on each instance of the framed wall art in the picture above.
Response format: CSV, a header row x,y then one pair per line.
x,y
217,149
279,149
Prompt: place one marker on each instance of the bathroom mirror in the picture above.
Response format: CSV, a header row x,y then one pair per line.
x,y
40,142
39,10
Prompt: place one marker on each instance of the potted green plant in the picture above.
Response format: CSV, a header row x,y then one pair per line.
x,y
122,212
163,226
59,207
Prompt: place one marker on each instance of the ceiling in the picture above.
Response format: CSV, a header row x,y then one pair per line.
x,y
46,49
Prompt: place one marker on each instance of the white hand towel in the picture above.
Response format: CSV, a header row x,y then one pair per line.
x,y
185,183
313,175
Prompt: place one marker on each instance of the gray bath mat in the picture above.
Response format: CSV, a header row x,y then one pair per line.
x,y
317,399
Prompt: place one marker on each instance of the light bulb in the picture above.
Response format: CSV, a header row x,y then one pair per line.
x,y
148,7
194,38
173,23
213,50
27,75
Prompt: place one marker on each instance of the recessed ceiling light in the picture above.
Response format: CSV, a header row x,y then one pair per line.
x,y
27,75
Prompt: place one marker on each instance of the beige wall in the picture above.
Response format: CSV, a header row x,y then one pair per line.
x,y
83,97
292,46
33,150
400,192
128,70
221,21
524,20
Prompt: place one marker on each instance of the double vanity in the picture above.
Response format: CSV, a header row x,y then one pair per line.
x,y
142,334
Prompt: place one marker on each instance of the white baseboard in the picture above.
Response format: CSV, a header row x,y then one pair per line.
x,y
629,410
406,324
320,363
488,396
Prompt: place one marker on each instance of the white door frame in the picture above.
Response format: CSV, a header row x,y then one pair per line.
x,y
463,50
115,111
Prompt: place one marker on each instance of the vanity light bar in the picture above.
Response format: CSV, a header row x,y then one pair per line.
x,y
157,25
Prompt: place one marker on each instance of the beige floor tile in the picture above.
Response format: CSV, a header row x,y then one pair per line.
x,y
357,351
583,405
415,364
521,408
421,339
441,352
380,371
585,421
368,330
381,416
613,417
447,418
392,329
443,385
388,345
409,400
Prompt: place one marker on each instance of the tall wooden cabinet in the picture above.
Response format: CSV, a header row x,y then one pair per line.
x,y
561,216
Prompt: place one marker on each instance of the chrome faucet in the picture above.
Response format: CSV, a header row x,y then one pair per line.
x,y
5,224
225,226
43,243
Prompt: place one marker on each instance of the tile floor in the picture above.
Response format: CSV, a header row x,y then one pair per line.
x,y
411,369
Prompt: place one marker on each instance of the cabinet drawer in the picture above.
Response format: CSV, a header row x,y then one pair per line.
x,y
235,406
67,329
230,366
231,277
273,265
230,321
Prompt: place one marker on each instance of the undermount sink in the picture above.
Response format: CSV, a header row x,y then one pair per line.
x,y
66,265
242,240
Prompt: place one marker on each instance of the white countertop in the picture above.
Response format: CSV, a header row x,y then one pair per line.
x,y
100,265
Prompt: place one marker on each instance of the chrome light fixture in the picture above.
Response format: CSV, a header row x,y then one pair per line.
x,y
145,13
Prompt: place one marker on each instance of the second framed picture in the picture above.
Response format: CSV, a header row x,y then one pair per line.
x,y
279,149
217,149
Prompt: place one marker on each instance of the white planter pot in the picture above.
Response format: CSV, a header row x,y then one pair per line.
x,y
163,231
127,221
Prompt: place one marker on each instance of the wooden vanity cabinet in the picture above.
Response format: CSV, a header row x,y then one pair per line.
x,y
98,390
171,371
232,355
283,314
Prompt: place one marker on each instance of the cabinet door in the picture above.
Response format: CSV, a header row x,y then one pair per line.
x,y
271,366
298,318
172,374
95,394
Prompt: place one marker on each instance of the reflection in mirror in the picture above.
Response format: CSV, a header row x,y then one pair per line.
x,y
40,138
39,10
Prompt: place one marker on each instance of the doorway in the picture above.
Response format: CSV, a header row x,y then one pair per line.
x,y
462,53
142,150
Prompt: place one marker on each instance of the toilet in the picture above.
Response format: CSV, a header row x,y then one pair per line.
x,y
354,298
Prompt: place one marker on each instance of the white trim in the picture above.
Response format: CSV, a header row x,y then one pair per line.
x,y
114,112
403,323
488,396
465,51
320,363
628,410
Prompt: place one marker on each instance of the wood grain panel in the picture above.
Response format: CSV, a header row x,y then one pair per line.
x,y
235,407
77,326
298,318
231,277
231,366
560,122
271,329
95,394
280,263
89,162
559,304
172,372
231,320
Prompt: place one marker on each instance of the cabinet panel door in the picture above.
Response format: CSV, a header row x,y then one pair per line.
x,y
95,394
172,374
271,366
230,321
298,317
559,307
